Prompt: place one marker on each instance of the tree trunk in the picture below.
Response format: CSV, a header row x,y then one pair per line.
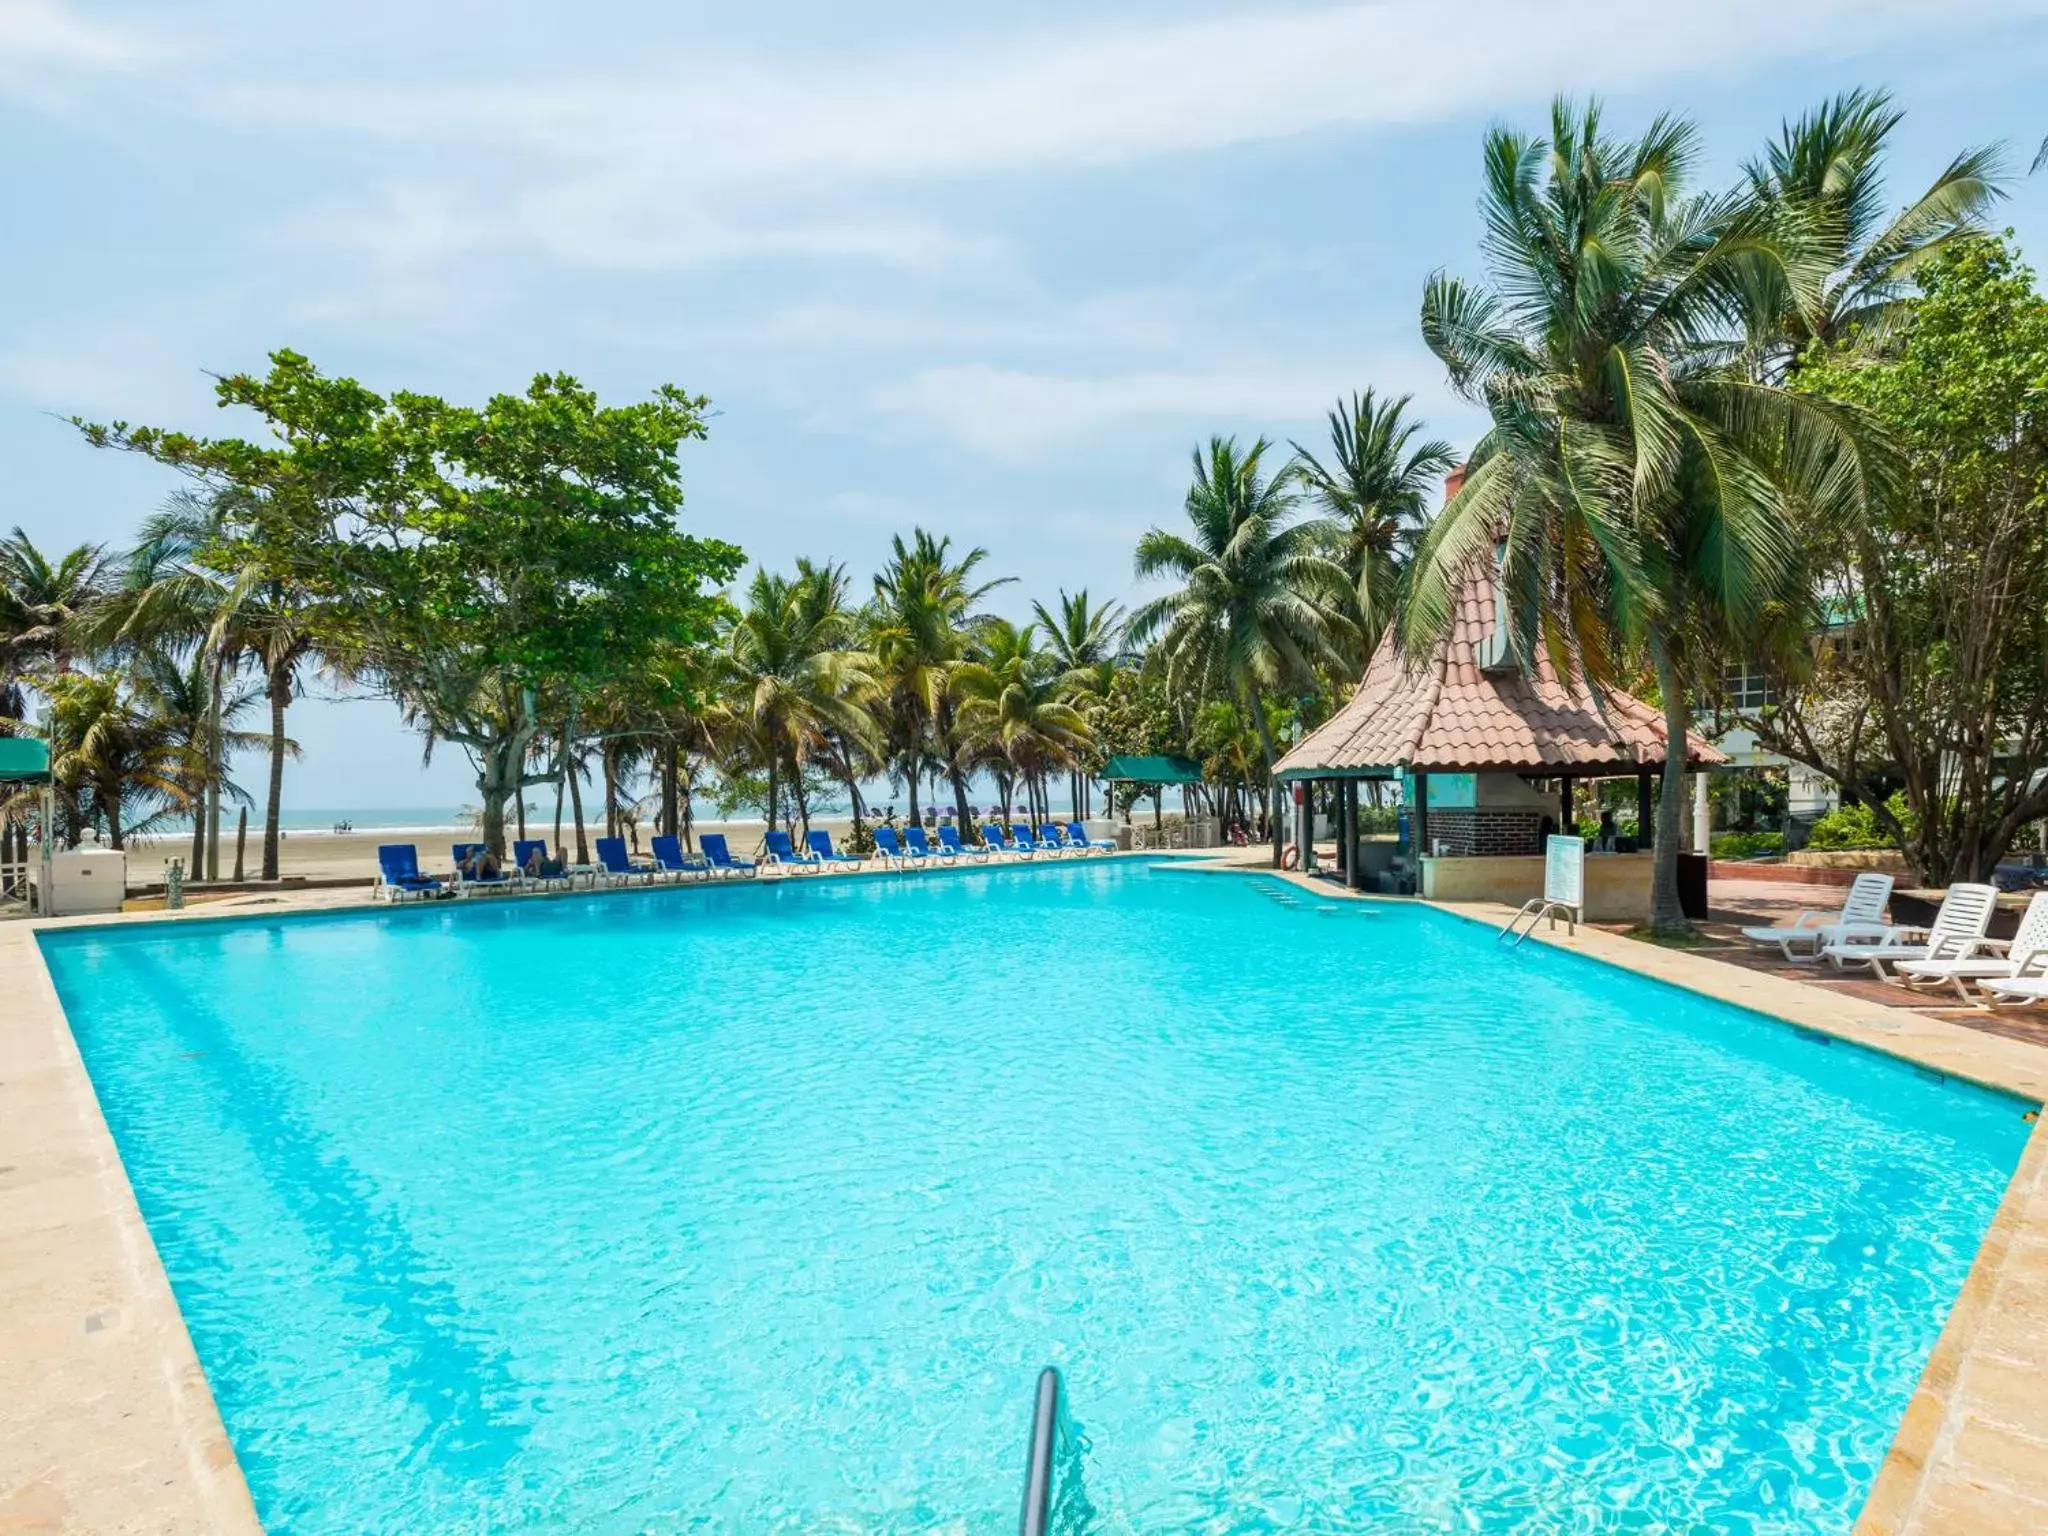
x,y
576,811
668,788
803,803
1272,783
1666,914
241,841
280,688
910,782
215,771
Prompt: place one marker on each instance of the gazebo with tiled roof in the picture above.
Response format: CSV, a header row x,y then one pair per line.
x,y
1472,710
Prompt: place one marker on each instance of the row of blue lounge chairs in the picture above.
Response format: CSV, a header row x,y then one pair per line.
x,y
400,876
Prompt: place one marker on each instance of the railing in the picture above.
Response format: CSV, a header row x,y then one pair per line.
x,y
1038,1470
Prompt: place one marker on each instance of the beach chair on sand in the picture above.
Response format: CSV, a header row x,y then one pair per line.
x,y
2023,958
821,847
950,847
1811,931
398,874
614,868
722,861
919,847
468,885
1077,837
1957,934
994,840
670,859
1021,841
522,853
782,854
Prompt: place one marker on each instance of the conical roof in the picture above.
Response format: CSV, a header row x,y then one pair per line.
x,y
1460,714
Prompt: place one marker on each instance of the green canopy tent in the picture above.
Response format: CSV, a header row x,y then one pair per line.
x,y
24,760
1153,773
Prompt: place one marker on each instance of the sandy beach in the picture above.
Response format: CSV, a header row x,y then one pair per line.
x,y
353,856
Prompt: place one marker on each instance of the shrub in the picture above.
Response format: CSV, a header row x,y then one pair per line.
x,y
1856,826
1746,845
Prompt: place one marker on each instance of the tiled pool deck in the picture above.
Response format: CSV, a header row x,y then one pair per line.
x,y
107,1424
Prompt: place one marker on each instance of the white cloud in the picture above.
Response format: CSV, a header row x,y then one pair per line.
x,y
673,162
1017,417
45,32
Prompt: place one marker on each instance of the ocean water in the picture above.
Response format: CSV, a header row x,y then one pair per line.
x,y
759,1209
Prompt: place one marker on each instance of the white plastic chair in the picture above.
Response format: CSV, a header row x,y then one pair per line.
x,y
2023,957
1814,931
1957,933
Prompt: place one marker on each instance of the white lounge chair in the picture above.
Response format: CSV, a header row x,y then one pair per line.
x,y
1958,929
1814,931
2024,957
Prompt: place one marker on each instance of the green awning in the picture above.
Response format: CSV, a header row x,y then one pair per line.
x,y
1152,770
24,757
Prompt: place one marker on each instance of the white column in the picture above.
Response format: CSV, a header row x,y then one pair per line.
x,y
1702,815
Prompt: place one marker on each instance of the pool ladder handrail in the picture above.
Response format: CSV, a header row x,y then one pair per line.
x,y
1536,909
1038,1469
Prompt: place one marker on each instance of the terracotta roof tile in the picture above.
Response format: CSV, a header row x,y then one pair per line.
x,y
1450,715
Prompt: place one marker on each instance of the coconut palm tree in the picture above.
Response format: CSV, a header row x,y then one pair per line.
x,y
1826,171
40,603
1013,714
1376,493
177,695
1087,643
923,623
792,679
1259,605
114,764
1637,488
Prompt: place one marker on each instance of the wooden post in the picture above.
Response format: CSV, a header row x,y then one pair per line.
x,y
1569,824
1644,820
1352,878
1342,798
1420,823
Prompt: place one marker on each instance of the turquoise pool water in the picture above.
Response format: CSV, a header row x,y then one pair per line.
x,y
759,1209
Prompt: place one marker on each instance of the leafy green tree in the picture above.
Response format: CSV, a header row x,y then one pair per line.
x,y
466,561
40,602
1637,489
114,764
203,722
1375,492
1088,644
1259,602
1934,672
1826,174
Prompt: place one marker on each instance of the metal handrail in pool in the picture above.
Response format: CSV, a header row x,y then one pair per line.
x,y
1038,1470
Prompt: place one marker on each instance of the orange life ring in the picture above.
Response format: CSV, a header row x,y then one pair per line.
x,y
1290,856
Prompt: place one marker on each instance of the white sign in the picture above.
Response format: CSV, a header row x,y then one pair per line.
x,y
1564,871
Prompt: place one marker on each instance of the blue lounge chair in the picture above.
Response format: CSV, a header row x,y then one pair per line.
x,y
464,884
890,851
614,868
722,861
782,854
1078,836
1020,841
919,847
820,842
522,854
670,859
398,874
993,840
950,847
1050,840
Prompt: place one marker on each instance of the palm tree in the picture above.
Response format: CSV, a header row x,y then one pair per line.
x,y
40,603
923,623
178,697
1260,602
1826,171
184,587
115,764
1012,714
1636,487
1087,643
1376,492
792,679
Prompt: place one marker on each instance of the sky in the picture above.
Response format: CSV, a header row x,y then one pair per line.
x,y
988,272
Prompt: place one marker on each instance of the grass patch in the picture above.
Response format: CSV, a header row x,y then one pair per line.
x,y
1673,938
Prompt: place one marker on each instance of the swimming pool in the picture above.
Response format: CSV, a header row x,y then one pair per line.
x,y
759,1209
